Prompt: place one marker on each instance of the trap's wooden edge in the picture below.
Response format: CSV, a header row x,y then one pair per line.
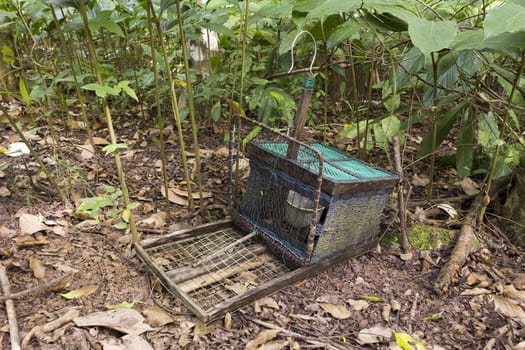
x,y
168,284
186,233
286,280
239,301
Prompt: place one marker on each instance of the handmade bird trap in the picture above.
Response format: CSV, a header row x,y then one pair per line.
x,y
303,208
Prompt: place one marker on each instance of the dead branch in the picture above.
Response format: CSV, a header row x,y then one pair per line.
x,y
316,341
10,309
48,286
463,245
39,331
405,244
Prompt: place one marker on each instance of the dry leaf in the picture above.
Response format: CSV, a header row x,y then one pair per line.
x,y
469,186
134,341
99,141
174,198
25,241
449,209
478,280
475,291
508,308
262,338
82,292
513,293
30,224
157,317
184,193
358,305
122,305
60,285
156,221
86,151
420,180
273,345
268,302
4,192
406,256
202,329
228,321
338,311
185,330
127,321
376,334
39,270
519,282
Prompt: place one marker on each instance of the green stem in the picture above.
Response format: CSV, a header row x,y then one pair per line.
x,y
503,133
107,113
160,118
433,112
191,106
174,106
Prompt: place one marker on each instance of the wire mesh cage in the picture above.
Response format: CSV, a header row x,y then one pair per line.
x,y
309,200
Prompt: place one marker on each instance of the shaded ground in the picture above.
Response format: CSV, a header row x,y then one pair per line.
x,y
379,292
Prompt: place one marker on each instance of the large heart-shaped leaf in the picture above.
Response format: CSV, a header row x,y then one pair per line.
x,y
431,36
507,18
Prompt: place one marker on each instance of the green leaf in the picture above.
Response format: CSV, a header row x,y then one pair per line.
x,y
407,342
465,147
23,92
111,148
102,91
386,21
475,40
488,130
507,18
127,90
347,31
216,111
255,131
8,56
433,317
103,20
330,7
121,225
431,36
444,125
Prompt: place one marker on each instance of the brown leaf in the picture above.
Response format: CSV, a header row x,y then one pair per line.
x,y
157,317
420,180
273,345
185,330
39,270
134,341
60,285
268,302
156,221
469,186
4,192
358,305
127,321
194,195
30,224
519,282
228,321
86,151
508,308
25,241
262,338
99,141
376,334
513,293
338,311
174,197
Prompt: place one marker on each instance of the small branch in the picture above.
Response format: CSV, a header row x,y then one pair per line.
x,y
38,289
10,309
405,244
38,331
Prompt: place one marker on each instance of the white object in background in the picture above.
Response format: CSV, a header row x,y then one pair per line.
x,y
17,149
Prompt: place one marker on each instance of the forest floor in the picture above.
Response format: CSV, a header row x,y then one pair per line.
x,y
79,268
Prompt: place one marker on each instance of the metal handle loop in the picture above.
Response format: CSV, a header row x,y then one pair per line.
x,y
315,49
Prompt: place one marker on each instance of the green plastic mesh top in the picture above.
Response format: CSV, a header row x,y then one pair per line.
x,y
337,166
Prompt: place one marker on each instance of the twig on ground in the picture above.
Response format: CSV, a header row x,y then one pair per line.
x,y
39,331
38,289
413,311
10,310
317,341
